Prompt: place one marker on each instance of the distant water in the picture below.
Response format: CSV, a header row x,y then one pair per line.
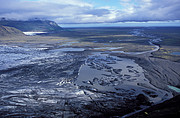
x,y
69,50
33,33
156,48
175,53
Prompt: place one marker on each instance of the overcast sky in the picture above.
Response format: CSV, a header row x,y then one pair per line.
x,y
92,11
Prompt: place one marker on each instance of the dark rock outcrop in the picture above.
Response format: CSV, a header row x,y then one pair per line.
x,y
167,109
142,100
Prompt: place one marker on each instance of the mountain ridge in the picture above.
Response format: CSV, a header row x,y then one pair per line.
x,y
10,31
32,25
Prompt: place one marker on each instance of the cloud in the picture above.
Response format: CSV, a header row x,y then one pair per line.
x,y
153,10
65,11
78,11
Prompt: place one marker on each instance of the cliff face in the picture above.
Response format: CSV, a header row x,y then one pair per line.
x,y
9,31
33,25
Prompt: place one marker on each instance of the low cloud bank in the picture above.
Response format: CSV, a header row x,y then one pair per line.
x,y
78,11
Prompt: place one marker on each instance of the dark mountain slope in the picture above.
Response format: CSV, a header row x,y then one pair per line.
x,y
32,25
9,31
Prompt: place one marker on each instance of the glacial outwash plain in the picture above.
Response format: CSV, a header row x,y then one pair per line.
x,y
97,72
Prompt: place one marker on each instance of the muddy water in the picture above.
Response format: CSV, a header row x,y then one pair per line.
x,y
105,73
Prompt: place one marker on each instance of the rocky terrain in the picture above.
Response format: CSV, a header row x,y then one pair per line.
x,y
167,109
48,76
